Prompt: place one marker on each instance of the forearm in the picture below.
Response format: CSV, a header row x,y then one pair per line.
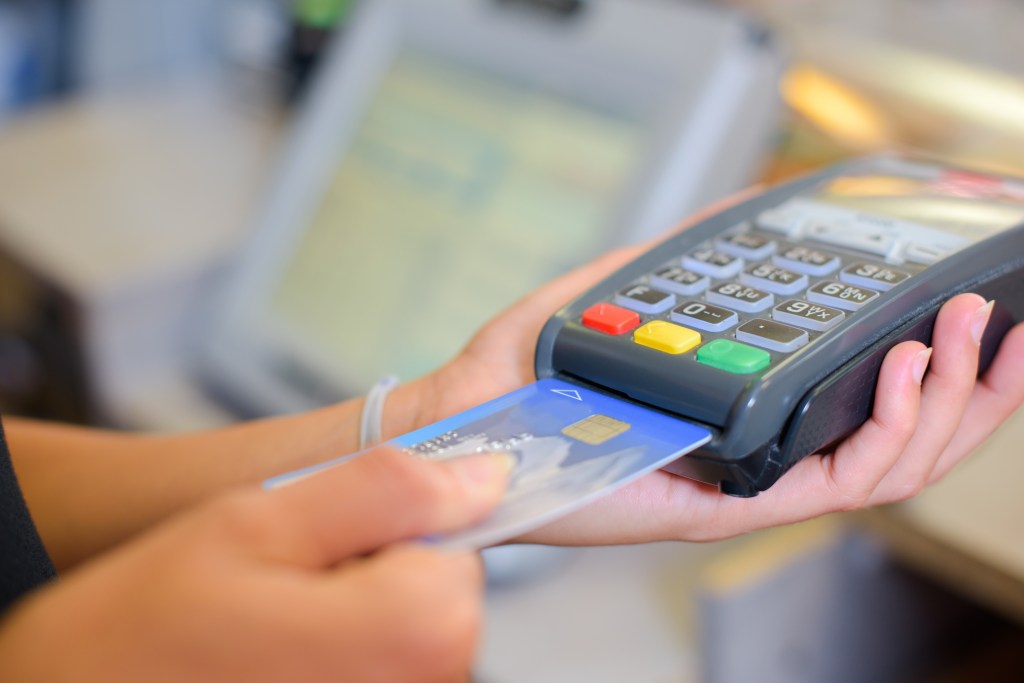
x,y
89,490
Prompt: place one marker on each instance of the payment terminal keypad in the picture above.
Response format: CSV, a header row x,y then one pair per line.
x,y
740,297
747,246
773,278
809,261
751,298
832,293
873,276
772,335
680,281
713,263
644,299
704,316
808,315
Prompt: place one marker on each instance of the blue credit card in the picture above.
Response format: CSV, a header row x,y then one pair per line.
x,y
571,445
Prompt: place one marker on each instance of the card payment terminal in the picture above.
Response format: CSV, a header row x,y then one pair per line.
x,y
768,322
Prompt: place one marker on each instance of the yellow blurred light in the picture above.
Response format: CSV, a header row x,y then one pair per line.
x,y
835,108
963,92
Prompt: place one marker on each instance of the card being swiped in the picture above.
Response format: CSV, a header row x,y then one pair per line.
x,y
571,445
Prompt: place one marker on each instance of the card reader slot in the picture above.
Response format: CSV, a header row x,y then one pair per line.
x,y
731,478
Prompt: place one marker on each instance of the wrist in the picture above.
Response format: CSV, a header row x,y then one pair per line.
x,y
458,385
371,415
409,406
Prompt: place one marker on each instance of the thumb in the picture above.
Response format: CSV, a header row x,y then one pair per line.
x,y
381,497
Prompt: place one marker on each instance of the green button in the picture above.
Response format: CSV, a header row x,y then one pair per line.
x,y
733,357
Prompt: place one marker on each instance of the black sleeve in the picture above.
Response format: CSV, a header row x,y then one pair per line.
x,y
24,563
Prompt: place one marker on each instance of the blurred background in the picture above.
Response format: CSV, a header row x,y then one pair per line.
x,y
140,144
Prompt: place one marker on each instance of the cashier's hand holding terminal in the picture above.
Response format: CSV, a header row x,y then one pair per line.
x,y
847,314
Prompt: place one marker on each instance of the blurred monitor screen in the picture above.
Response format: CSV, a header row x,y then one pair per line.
x,y
455,154
458,194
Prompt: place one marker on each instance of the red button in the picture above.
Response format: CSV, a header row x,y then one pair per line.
x,y
610,319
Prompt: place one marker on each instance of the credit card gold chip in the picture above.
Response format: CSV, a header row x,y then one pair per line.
x,y
596,429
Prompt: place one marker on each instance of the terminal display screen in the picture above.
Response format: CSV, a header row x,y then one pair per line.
x,y
964,205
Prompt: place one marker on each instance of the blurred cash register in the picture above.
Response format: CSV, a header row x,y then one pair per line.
x,y
450,156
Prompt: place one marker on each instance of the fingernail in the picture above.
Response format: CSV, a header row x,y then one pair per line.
x,y
921,364
483,470
980,322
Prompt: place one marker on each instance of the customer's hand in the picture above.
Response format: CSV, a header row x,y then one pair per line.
x,y
317,581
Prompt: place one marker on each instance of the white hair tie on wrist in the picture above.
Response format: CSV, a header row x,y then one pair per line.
x,y
372,416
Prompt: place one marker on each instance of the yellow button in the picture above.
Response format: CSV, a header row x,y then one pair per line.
x,y
666,337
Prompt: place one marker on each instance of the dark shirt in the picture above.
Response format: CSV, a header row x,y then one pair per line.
x,y
24,563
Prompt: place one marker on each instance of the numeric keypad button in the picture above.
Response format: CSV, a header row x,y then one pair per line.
x,y
808,315
713,263
644,299
680,281
873,276
774,279
772,335
787,219
840,295
810,261
704,316
747,245
739,297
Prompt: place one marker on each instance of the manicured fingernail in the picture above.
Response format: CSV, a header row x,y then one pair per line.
x,y
483,470
981,318
921,364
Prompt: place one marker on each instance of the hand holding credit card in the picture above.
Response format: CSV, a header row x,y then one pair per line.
x,y
571,445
